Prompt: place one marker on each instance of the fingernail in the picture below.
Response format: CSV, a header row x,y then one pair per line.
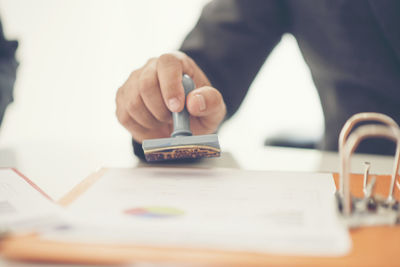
x,y
201,101
174,104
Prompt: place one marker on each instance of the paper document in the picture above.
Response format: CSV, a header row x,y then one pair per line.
x,y
256,211
23,207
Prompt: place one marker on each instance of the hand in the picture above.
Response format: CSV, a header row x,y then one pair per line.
x,y
145,101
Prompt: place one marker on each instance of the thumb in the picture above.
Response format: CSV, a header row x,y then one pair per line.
x,y
205,101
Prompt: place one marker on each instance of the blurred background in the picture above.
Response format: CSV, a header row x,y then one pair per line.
x,y
75,54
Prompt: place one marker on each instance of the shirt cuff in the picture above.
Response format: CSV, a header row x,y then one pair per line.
x,y
138,150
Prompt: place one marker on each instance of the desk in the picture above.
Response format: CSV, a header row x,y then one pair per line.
x,y
58,167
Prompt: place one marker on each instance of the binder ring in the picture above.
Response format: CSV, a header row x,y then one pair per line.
x,y
352,122
349,143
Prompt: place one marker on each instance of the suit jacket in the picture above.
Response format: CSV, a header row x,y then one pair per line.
x,y
351,47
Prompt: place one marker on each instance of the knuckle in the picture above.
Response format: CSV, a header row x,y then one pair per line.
x,y
188,66
168,58
180,55
124,120
134,74
145,85
134,104
150,60
189,69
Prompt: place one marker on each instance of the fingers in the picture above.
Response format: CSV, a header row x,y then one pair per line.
x,y
150,93
138,112
138,132
134,115
130,101
169,70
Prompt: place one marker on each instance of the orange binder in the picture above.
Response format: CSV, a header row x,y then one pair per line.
x,y
372,246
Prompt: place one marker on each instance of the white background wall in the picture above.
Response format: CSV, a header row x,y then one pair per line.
x,y
75,54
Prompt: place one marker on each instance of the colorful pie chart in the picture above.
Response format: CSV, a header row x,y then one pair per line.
x,y
154,212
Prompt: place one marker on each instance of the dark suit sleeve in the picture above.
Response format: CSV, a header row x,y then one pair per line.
x,y
8,70
138,150
230,42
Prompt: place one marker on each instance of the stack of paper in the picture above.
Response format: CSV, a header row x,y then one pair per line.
x,y
275,212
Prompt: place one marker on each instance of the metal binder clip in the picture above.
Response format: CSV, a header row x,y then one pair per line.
x,y
371,209
366,176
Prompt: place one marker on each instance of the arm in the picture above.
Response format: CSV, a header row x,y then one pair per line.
x,y
232,40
